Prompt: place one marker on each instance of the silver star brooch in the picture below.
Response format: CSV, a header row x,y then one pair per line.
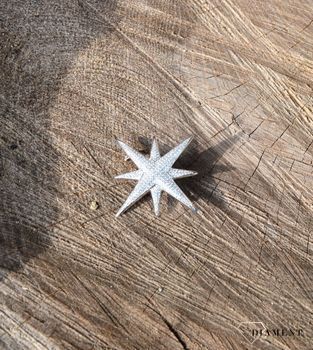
x,y
155,174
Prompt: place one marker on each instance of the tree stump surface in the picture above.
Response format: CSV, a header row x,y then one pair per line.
x,y
76,75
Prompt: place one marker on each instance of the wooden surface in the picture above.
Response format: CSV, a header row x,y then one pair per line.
x,y
75,75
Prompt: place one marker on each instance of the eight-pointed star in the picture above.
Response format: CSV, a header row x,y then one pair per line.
x,y
155,175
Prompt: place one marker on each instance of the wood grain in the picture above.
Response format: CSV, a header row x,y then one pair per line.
x,y
76,75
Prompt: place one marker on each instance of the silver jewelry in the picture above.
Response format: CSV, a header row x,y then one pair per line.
x,y
155,174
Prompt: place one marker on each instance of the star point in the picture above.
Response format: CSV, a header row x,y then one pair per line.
x,y
155,174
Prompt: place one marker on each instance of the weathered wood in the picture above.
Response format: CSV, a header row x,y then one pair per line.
x,y
238,75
